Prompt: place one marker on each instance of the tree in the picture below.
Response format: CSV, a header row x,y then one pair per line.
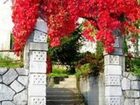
x,y
102,18
68,52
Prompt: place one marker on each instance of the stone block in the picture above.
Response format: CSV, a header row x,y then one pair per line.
x,y
117,33
41,25
37,90
137,101
23,80
113,80
26,55
135,85
118,51
21,98
8,103
16,86
37,101
129,102
113,91
6,93
38,56
132,94
113,70
9,76
113,101
37,79
126,74
3,70
113,60
125,84
117,42
39,36
38,46
38,67
22,71
132,77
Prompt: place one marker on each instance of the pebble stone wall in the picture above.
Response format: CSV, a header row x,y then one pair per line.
x,y
121,87
118,87
22,86
131,89
13,86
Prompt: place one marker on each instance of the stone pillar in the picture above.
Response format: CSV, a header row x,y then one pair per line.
x,y
35,60
96,90
113,74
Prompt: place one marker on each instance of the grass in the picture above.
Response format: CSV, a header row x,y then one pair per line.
x,y
10,63
57,75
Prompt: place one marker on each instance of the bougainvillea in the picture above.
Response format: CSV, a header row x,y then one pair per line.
x,y
109,15
61,16
102,18
25,13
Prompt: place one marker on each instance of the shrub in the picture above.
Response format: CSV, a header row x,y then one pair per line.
x,y
58,72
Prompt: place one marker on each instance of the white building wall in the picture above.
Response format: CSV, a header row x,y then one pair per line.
x,y
5,24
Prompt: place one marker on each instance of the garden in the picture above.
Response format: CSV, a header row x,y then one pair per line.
x,y
54,53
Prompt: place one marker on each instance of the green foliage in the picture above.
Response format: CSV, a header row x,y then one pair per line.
x,y
58,72
59,69
10,63
83,70
57,75
125,46
68,52
135,64
99,50
131,40
91,64
136,70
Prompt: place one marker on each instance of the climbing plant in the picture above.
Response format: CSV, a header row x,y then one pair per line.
x,y
102,18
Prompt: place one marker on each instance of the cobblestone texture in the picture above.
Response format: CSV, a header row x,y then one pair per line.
x,y
13,86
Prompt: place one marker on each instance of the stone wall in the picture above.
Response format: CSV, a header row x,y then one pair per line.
x,y
131,89
93,89
13,86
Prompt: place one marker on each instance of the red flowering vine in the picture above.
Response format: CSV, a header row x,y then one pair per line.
x,y
109,15
61,17
102,18
25,14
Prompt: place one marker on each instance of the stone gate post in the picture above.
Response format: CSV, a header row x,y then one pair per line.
x,y
35,55
113,73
